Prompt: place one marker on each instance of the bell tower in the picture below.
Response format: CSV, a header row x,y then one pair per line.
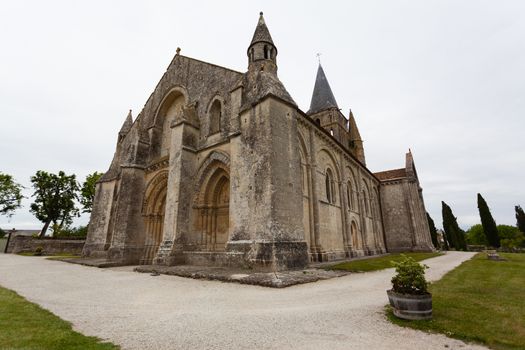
x,y
262,53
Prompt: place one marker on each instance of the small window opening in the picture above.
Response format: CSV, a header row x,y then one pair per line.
x,y
330,186
215,117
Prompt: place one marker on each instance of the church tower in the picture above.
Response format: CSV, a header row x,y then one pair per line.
x,y
326,113
262,52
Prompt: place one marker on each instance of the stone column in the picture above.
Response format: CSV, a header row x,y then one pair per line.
x,y
266,200
179,194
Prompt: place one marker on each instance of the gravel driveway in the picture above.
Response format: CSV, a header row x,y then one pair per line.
x,y
139,311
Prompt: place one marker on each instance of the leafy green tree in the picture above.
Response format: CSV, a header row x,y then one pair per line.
x,y
455,235
55,196
2,233
520,218
87,192
511,237
433,231
476,236
10,195
489,225
68,232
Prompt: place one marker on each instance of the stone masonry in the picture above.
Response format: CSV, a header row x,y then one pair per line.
x,y
223,168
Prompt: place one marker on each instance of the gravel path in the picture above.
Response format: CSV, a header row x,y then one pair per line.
x,y
139,311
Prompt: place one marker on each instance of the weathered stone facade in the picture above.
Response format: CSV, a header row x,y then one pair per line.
x,y
222,167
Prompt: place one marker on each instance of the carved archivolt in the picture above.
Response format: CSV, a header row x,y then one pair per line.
x,y
155,189
215,160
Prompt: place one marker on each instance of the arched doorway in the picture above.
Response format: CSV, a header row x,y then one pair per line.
x,y
153,213
213,208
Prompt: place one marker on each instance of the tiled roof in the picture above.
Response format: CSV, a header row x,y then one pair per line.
x,y
322,97
391,174
261,32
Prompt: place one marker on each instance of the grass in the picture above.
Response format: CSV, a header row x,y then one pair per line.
x,y
379,263
481,301
24,325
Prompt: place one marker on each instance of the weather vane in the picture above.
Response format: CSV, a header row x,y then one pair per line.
x,y
319,57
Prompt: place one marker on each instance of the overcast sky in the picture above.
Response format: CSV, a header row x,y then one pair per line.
x,y
444,78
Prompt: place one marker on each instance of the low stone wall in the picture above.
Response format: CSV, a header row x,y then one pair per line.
x,y
24,244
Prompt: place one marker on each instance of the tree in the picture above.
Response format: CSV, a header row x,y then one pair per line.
x,y
489,225
87,192
476,235
455,235
520,218
55,197
10,195
510,237
433,231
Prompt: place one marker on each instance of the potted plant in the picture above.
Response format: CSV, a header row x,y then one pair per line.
x,y
409,296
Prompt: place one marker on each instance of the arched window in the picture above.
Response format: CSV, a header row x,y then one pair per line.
x,y
252,54
266,52
332,132
349,195
215,117
365,202
330,186
318,121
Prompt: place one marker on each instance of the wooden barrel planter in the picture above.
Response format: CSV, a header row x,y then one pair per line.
x,y
410,306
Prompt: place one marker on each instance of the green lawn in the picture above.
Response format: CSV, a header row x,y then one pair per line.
x,y
379,263
24,325
481,301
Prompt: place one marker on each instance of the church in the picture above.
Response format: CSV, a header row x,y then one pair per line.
x,y
222,168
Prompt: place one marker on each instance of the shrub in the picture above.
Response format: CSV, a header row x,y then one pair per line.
x,y
511,237
68,232
2,233
476,235
39,251
410,277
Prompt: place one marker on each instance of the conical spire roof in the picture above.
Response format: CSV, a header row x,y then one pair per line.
x,y
354,130
261,32
322,97
126,127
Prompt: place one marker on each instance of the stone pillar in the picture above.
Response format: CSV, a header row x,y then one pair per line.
x,y
99,224
178,197
266,200
316,249
129,233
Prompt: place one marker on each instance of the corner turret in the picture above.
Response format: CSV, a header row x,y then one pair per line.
x,y
126,127
355,143
262,52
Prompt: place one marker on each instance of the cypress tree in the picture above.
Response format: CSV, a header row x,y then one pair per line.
x,y
455,235
461,239
489,225
520,218
449,234
433,231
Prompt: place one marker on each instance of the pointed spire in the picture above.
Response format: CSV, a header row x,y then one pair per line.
x,y
126,127
322,97
261,34
354,130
